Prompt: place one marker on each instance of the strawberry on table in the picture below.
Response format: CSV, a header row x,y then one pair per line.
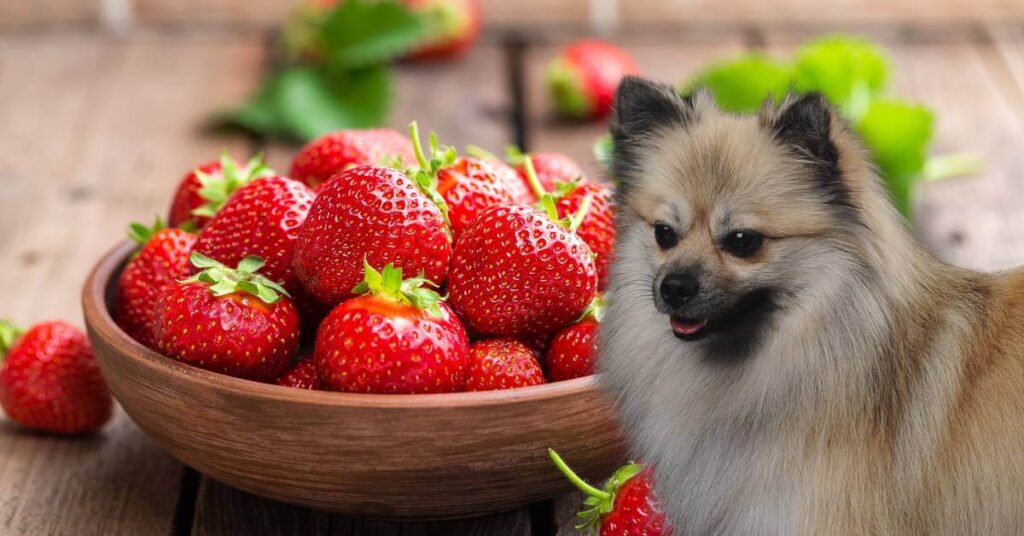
x,y
519,272
551,168
340,151
626,506
233,321
205,189
302,375
374,214
50,381
572,350
262,219
502,364
454,26
582,80
162,260
396,337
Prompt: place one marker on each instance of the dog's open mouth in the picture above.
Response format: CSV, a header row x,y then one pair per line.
x,y
688,329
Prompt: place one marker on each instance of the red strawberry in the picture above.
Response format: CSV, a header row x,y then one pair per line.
x,y
583,79
627,505
598,227
263,220
302,375
502,364
235,322
516,184
162,260
205,190
573,349
340,151
375,214
467,185
551,168
518,273
50,380
453,27
398,337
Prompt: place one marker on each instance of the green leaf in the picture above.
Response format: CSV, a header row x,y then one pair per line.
x,y
202,261
362,33
898,134
9,333
311,101
745,83
849,71
250,264
140,234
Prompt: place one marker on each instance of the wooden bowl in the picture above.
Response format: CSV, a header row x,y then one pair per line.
x,y
383,456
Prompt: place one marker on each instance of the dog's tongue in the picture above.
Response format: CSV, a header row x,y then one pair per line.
x,y
687,327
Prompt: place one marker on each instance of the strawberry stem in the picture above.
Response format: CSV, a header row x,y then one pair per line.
x,y
531,177
479,152
576,219
595,309
417,146
575,479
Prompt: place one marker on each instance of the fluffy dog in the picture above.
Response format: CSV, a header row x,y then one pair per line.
x,y
780,348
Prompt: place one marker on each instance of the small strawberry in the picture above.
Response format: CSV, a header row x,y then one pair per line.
x,y
162,260
551,168
516,184
262,219
468,185
302,375
232,321
502,364
453,26
204,190
376,214
582,80
340,151
50,380
626,506
518,273
573,349
397,337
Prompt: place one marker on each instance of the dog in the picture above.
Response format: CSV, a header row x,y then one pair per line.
x,y
782,351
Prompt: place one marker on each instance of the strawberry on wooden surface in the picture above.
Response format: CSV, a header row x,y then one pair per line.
x,y
162,260
582,80
50,380
374,214
261,219
233,321
626,506
339,151
502,364
207,188
573,349
396,336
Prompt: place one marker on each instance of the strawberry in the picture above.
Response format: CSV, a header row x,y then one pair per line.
x,y
162,260
397,337
516,184
626,506
518,273
502,364
204,190
551,168
339,151
467,185
302,375
582,80
376,214
598,227
453,27
50,380
572,350
232,321
262,219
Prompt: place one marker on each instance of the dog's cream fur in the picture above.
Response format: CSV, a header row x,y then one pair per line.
x,y
886,392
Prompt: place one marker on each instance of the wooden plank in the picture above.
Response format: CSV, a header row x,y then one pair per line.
x,y
221,509
666,61
35,13
565,510
101,133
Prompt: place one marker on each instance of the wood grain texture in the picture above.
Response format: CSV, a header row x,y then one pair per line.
x,y
18,14
99,132
565,509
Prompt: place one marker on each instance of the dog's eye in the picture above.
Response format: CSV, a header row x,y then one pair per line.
x,y
665,236
742,243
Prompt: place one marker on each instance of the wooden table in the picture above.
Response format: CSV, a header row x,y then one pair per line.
x,y
97,130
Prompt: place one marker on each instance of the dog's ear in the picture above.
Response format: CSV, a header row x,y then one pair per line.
x,y
642,107
804,124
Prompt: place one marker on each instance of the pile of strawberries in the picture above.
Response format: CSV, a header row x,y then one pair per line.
x,y
377,266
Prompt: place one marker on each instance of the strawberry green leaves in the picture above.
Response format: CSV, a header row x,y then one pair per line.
x,y
9,333
224,280
548,200
140,234
600,501
425,175
337,76
217,188
388,283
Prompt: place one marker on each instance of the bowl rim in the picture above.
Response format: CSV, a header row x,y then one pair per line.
x,y
98,318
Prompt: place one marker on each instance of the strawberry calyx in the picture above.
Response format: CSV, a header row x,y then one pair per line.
x,y
600,501
424,174
223,280
595,309
548,200
9,334
388,283
217,188
140,234
568,91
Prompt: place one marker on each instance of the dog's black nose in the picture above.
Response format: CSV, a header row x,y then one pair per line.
x,y
677,289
